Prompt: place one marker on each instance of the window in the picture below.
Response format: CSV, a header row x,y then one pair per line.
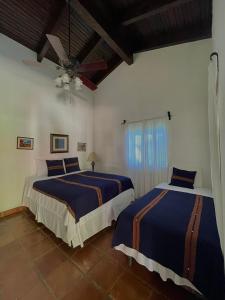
x,y
147,144
134,141
147,151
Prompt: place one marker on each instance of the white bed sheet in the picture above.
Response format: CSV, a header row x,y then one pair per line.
x,y
152,265
55,215
198,191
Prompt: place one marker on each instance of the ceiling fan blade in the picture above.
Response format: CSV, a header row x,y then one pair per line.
x,y
58,47
88,82
95,66
33,63
41,66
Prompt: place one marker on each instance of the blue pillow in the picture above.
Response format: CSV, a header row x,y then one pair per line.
x,y
183,178
55,167
71,164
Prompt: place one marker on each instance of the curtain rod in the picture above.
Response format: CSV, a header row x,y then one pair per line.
x,y
217,56
127,122
214,54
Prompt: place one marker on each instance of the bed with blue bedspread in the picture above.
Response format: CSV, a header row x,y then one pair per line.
x,y
85,191
77,205
178,230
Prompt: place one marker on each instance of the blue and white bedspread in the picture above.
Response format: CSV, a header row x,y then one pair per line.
x,y
83,192
179,231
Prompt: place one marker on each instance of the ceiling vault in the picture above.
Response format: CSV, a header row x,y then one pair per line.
x,y
110,31
185,35
105,32
148,9
52,28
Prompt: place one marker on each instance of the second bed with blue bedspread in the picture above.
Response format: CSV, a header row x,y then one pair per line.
x,y
179,231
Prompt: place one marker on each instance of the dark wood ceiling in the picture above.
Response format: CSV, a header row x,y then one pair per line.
x,y
112,30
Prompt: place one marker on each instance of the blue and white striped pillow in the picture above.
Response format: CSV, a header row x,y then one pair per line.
x,y
71,164
183,178
55,167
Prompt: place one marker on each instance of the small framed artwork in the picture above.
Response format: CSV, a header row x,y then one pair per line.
x,y
59,143
25,143
81,147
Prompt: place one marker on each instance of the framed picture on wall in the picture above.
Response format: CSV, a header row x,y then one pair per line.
x,y
59,143
25,143
81,147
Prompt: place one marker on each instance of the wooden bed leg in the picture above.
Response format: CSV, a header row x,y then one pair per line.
x,y
130,261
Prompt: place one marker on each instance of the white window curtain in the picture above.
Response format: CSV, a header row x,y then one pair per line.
x,y
216,137
147,153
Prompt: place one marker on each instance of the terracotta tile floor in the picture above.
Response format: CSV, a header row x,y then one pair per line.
x,y
34,264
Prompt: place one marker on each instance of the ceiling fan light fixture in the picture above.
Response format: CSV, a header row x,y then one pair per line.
x,y
78,83
66,87
58,82
66,78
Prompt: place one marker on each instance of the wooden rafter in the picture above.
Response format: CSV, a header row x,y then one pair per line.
x,y
185,35
52,28
105,31
148,9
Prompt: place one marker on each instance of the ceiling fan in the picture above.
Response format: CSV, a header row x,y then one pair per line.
x,y
73,70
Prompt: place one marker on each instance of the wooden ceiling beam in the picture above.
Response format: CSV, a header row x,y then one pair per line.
x,y
185,35
105,31
51,28
114,62
148,9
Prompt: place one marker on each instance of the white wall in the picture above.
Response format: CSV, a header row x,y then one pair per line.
x,y
169,79
219,37
30,105
219,46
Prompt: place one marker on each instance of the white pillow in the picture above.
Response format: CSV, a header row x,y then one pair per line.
x,y
41,168
198,178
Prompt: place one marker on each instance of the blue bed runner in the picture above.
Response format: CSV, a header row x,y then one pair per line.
x,y
85,191
179,231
